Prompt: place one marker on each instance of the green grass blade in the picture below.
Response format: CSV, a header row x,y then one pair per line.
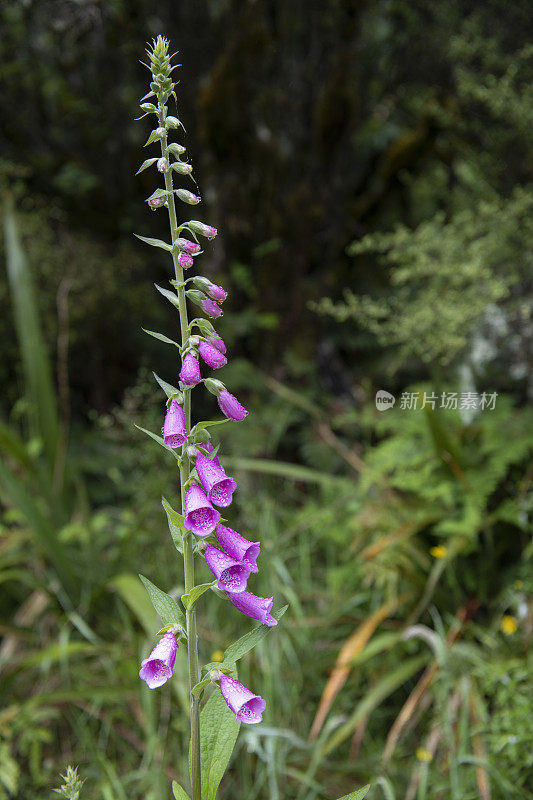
x,y
44,420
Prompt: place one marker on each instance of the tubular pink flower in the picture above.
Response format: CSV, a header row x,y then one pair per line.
x,y
246,706
185,260
230,406
174,428
155,202
200,516
190,371
211,308
219,488
212,355
189,247
238,547
216,341
230,574
254,607
217,293
158,667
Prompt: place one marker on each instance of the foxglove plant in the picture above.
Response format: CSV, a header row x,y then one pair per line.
x,y
205,487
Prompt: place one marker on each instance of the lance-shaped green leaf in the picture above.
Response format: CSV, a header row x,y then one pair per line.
x,y
155,136
175,525
161,337
165,605
200,426
190,599
172,297
359,794
218,734
178,792
169,390
146,164
155,242
243,645
160,441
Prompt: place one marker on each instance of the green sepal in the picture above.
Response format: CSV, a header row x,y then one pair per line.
x,y
176,149
243,645
190,599
179,792
171,392
182,168
171,296
155,242
204,325
175,525
160,441
146,96
149,108
161,337
172,122
154,137
165,605
195,296
213,386
158,193
146,164
200,686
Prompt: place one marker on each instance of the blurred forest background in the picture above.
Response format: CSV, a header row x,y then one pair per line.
x,y
367,166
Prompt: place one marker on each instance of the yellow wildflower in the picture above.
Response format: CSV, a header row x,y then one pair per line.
x,y
424,755
439,551
508,624
218,655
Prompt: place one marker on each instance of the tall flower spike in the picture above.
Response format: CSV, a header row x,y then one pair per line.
x,y
212,355
230,406
246,706
254,607
231,574
158,667
174,428
218,486
190,371
238,547
200,516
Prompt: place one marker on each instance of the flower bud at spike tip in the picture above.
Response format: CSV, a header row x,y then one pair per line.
x,y
185,260
211,308
190,371
200,516
159,666
212,357
238,547
230,574
218,486
254,607
162,165
203,230
188,197
174,428
230,406
246,706
216,341
189,247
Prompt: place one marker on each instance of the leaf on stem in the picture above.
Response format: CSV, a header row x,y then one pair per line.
x,y
159,441
218,734
170,391
178,792
155,242
146,164
175,525
243,645
171,296
161,337
357,795
165,605
189,600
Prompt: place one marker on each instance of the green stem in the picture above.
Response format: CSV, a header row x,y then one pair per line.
x,y
188,554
